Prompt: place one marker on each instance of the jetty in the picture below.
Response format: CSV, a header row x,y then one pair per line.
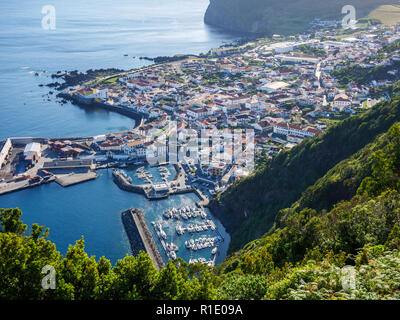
x,y
140,237
66,180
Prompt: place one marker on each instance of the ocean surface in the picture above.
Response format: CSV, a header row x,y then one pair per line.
x,y
89,35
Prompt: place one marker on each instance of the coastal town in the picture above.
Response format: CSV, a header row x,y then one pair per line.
x,y
282,89
285,89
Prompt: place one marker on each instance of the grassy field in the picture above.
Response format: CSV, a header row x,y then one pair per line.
x,y
387,14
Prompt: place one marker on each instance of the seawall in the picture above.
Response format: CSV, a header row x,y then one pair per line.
x,y
140,237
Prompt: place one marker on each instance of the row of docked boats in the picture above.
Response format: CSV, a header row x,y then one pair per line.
x,y
185,213
203,243
143,174
164,173
210,263
209,224
159,230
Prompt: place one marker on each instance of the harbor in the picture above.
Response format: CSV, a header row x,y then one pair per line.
x,y
188,232
153,189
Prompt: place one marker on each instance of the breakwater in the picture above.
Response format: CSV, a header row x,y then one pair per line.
x,y
139,235
125,185
85,103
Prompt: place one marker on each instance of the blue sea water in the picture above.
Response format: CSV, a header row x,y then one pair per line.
x,y
89,34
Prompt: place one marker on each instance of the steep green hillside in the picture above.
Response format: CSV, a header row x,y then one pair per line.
x,y
370,218
282,17
389,15
248,209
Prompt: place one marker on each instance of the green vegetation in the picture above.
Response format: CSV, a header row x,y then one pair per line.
x,y
112,80
303,256
311,50
363,75
78,276
248,209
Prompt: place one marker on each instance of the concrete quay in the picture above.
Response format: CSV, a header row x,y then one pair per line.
x,y
66,180
21,185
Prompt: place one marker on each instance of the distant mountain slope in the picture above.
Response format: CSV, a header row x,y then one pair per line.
x,y
249,208
282,17
389,15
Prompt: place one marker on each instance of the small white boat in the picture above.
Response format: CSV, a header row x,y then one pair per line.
x,y
180,230
172,247
214,251
172,254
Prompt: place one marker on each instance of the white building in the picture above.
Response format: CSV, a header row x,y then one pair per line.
x,y
341,101
294,130
32,151
274,86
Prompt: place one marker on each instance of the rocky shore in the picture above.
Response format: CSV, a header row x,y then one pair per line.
x,y
73,78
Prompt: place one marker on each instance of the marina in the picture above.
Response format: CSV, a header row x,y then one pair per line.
x,y
151,187
189,233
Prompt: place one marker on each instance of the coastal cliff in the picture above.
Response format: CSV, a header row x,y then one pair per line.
x,y
267,17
